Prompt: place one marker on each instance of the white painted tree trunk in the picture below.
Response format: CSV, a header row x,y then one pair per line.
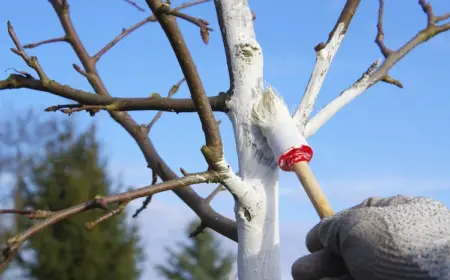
x,y
257,207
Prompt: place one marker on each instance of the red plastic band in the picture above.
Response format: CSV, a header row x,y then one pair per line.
x,y
293,156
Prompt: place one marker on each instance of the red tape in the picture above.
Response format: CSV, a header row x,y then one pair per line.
x,y
294,155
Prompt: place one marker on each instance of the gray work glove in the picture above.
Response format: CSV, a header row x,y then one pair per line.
x,y
382,238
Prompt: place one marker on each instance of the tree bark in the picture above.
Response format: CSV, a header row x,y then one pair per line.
x,y
257,208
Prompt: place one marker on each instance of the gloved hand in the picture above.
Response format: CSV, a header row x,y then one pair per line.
x,y
382,238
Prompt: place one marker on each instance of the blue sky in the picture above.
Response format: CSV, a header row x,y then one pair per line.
x,y
388,141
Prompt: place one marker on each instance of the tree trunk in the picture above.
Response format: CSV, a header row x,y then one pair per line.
x,y
257,208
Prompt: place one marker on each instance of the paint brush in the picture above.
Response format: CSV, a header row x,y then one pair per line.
x,y
289,146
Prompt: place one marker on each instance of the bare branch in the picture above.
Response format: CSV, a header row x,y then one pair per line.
x,y
215,221
388,79
203,24
127,31
16,241
438,19
172,92
344,98
379,40
31,214
380,73
123,34
90,225
79,70
199,229
148,199
213,151
202,226
134,4
15,81
211,196
197,21
190,4
21,72
422,36
325,53
49,41
91,109
32,62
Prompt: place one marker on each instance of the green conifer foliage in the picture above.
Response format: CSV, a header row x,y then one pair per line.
x,y
200,259
71,172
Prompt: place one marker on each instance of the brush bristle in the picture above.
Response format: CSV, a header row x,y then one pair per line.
x,y
270,107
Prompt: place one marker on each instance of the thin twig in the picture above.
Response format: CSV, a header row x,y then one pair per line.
x,y
72,108
388,79
148,199
197,21
381,72
127,31
31,214
79,70
90,225
21,72
203,24
134,4
438,19
430,31
16,241
211,196
199,229
174,89
379,39
49,41
202,226
32,62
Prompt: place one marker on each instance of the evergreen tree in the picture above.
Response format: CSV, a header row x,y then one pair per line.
x,y
71,172
201,259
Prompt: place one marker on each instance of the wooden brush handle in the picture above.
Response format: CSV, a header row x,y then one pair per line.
x,y
313,189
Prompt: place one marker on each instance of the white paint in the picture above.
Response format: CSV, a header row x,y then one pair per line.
x,y
338,103
324,57
236,185
256,207
276,123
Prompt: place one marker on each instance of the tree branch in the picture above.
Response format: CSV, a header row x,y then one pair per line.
x,y
134,4
375,73
211,196
325,53
90,225
202,226
127,31
203,24
172,92
49,41
344,98
214,220
31,214
148,199
379,39
108,103
32,62
213,151
16,241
